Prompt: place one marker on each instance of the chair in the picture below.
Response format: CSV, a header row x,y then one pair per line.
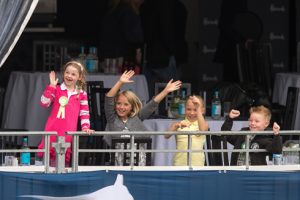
x,y
90,85
165,104
254,64
92,99
96,94
123,159
48,54
290,108
286,115
217,142
97,108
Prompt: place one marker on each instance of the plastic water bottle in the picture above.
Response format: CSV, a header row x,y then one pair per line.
x,y
82,56
92,60
25,156
216,106
181,104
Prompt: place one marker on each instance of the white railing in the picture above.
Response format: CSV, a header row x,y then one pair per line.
x,y
76,150
133,150
46,149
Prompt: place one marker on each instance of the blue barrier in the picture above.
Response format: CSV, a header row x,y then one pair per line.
x,y
153,185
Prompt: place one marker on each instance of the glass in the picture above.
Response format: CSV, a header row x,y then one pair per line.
x,y
38,161
277,159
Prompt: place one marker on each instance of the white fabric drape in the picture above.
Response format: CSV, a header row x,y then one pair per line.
x,y
14,15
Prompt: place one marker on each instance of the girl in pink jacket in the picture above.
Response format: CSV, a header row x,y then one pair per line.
x,y
69,100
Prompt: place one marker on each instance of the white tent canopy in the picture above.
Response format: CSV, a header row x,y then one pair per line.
x,y
14,15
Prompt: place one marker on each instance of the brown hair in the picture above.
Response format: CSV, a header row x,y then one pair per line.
x,y
134,101
82,73
262,110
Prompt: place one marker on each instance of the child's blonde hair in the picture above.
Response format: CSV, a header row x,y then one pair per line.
x,y
134,101
82,73
262,110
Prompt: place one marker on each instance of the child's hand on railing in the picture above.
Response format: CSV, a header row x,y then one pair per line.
x,y
88,131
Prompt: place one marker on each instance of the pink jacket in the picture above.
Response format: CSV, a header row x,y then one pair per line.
x,y
77,107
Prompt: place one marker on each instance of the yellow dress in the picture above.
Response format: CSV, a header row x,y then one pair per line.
x,y
180,159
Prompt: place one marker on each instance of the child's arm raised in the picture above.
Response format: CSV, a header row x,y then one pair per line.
x,y
53,79
125,78
170,87
276,128
203,125
228,123
48,95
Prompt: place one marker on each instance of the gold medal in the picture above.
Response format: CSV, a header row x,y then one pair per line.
x,y
63,101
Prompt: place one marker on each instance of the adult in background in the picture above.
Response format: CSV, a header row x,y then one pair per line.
x,y
237,25
164,29
121,36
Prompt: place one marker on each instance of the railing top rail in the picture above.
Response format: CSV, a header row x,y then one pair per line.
x,y
21,133
144,133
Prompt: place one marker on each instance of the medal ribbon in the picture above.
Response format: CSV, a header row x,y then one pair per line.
x,y
63,101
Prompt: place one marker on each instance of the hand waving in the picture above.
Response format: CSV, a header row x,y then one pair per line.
x,y
125,77
276,128
172,86
53,79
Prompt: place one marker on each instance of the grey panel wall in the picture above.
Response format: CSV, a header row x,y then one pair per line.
x,y
275,17
203,71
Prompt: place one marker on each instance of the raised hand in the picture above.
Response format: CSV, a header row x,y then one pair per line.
x,y
234,114
126,76
276,128
53,79
195,101
172,86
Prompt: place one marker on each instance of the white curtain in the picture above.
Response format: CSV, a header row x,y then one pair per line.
x,y
14,16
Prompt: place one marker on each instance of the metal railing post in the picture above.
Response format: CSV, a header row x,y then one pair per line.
x,y
75,153
132,151
60,147
189,154
247,150
46,153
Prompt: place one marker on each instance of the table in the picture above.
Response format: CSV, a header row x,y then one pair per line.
x,y
159,142
281,84
22,108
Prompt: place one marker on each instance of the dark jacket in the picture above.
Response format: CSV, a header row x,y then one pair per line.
x,y
121,33
164,29
271,144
